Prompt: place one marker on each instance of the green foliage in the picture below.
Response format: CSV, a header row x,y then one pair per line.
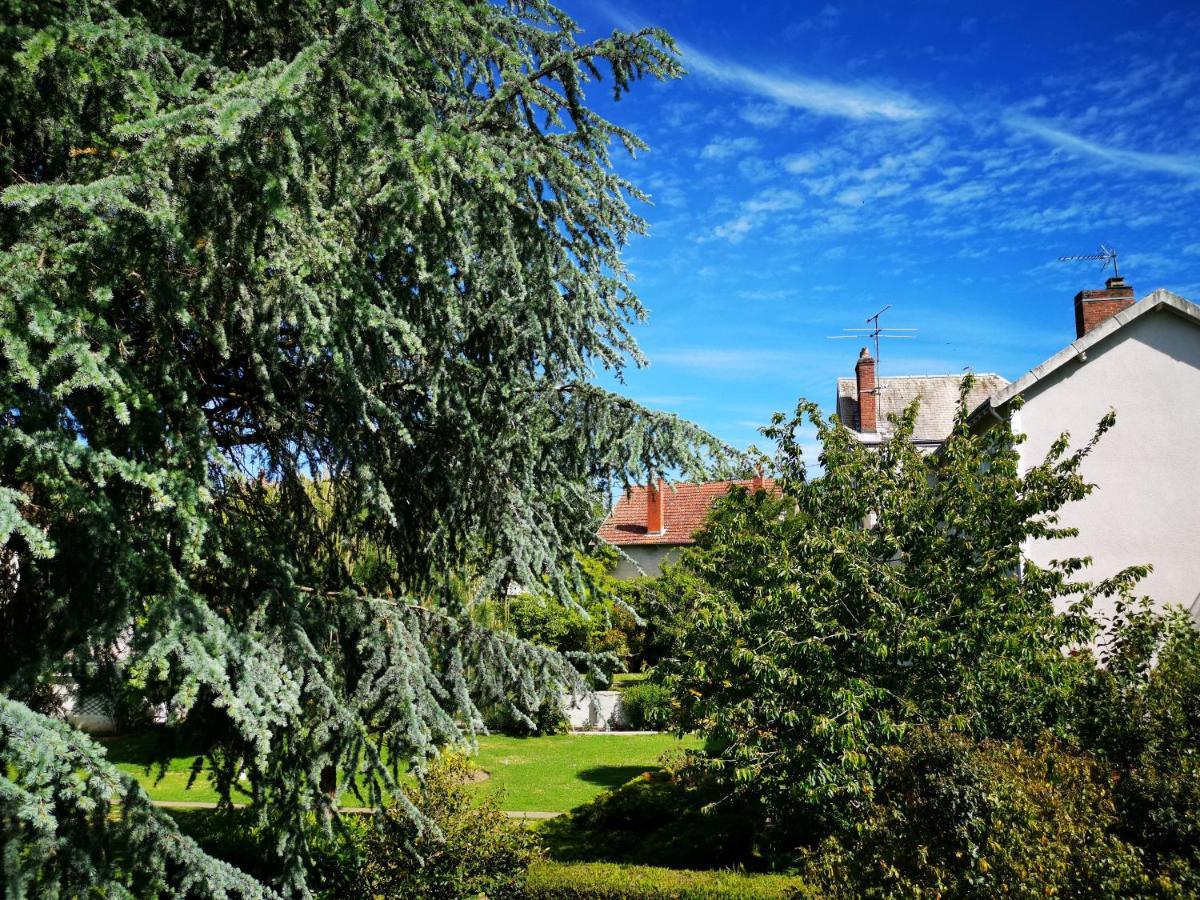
x,y
657,602
70,818
891,591
609,881
594,629
647,706
546,621
1140,712
472,849
369,246
548,718
957,818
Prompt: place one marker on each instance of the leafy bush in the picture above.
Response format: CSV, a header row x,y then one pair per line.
x,y
548,718
547,621
647,705
468,846
1141,713
957,818
611,881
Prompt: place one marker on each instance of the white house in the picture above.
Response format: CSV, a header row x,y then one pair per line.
x,y
1143,361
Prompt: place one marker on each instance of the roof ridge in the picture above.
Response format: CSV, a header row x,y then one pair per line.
x,y
850,378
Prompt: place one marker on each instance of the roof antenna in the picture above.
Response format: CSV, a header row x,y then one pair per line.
x,y
875,332
1105,256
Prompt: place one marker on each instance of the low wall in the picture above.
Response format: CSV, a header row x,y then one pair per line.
x,y
87,713
600,712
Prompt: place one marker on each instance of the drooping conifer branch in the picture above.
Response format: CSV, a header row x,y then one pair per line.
x,y
299,312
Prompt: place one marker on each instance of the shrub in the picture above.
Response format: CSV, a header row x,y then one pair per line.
x,y
548,719
1141,712
647,705
472,850
956,818
548,622
612,881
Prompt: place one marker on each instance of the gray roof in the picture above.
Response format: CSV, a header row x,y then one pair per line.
x,y
938,395
1160,298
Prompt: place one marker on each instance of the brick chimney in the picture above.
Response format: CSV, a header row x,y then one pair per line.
x,y
756,483
864,371
1093,307
656,522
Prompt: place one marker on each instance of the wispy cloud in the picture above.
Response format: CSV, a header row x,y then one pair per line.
x,y
825,20
850,101
723,363
726,147
1174,164
754,211
763,115
778,294
823,97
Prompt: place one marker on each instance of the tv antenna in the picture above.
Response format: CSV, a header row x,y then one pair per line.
x,y
875,332
1105,256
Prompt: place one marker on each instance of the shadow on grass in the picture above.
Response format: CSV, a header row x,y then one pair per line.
x,y
149,747
653,821
610,777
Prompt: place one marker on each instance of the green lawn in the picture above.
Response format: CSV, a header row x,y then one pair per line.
x,y
542,774
622,680
561,771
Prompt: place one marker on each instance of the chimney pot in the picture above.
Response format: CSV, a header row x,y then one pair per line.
x,y
656,508
1094,307
864,372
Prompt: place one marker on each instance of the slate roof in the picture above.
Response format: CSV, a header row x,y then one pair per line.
x,y
938,395
685,509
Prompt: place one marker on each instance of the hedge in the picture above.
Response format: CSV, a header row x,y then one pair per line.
x,y
647,705
612,881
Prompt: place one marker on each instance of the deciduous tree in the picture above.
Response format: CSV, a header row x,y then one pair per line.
x,y
888,592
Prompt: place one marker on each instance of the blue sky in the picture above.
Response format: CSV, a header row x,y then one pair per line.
x,y
822,160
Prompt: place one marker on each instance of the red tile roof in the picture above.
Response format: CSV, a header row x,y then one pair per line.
x,y
686,508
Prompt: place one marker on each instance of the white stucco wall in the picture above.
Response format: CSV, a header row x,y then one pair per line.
x,y
650,557
603,711
1146,507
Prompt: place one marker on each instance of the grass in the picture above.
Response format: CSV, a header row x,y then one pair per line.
x,y
558,772
622,680
553,773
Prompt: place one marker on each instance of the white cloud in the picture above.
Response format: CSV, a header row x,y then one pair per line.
x,y
755,169
755,211
724,363
780,294
822,97
801,163
1173,164
764,115
825,20
727,147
